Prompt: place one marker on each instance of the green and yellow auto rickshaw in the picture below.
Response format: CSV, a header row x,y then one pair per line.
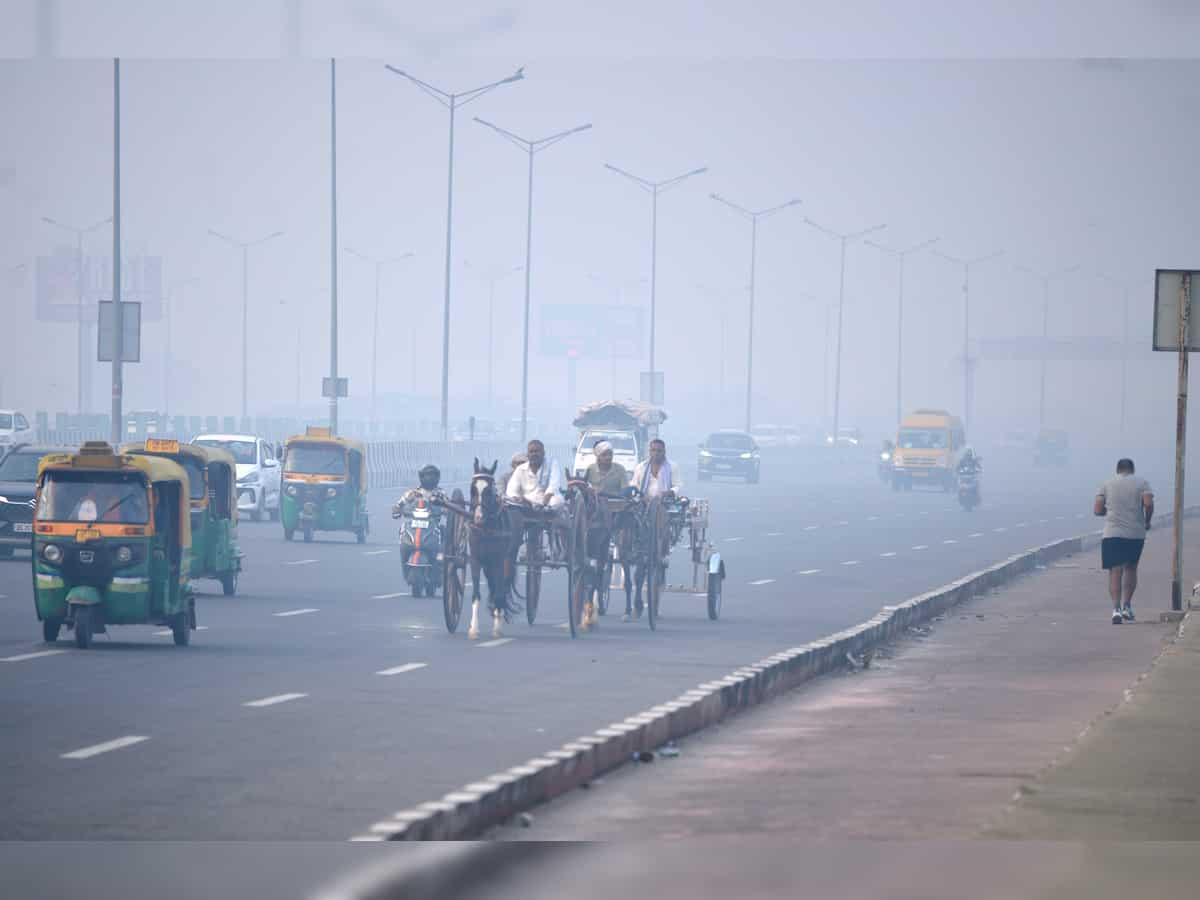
x,y
324,485
111,544
212,483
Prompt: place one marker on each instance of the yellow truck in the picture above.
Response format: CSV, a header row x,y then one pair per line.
x,y
929,443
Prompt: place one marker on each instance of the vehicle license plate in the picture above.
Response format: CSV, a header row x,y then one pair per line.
x,y
724,466
83,535
23,527
420,523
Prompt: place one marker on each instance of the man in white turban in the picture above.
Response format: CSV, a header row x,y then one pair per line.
x,y
604,475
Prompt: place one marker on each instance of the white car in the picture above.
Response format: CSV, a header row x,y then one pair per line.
x,y
14,428
258,473
625,449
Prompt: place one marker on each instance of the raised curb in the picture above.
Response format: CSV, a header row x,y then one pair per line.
x,y
468,812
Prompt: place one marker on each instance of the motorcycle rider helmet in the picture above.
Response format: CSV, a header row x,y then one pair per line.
x,y
429,477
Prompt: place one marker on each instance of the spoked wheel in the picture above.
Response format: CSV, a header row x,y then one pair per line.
x,y
288,533
50,629
83,627
308,532
452,594
229,583
533,590
715,580
657,569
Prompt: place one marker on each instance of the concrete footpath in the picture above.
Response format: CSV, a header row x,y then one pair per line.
x,y
1021,714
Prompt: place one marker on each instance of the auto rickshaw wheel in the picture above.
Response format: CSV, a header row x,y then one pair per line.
x,y
181,628
229,583
289,533
274,513
308,535
50,629
361,536
83,627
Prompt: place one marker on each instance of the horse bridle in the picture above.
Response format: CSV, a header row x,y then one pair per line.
x,y
491,511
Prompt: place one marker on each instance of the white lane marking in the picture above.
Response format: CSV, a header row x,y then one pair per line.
x,y
774,534
872,518
563,625
976,534
1059,518
839,523
762,581
924,512
294,612
889,553
809,572
167,632
850,562
998,530
390,596
1020,524
300,562
950,541
38,655
96,749
271,701
921,547
1079,515
375,552
810,527
498,642
1043,521
731,540
400,670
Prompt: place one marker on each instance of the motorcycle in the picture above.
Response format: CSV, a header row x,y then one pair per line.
x,y
885,466
421,549
968,490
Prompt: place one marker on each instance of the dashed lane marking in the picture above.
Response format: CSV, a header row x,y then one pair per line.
x,y
921,547
390,596
1020,525
872,518
167,632
850,562
890,553
38,655
272,701
774,534
810,527
375,552
976,534
950,541
733,539
300,562
400,670
843,523
762,581
498,642
96,749
999,530
294,612
809,572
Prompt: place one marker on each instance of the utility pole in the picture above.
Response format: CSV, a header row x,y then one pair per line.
x,y
333,255
966,265
753,216
1045,278
117,426
378,263
452,101
531,147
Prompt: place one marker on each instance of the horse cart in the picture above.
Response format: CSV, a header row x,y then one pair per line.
x,y
708,568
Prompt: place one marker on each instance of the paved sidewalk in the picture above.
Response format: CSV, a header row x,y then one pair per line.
x,y
935,740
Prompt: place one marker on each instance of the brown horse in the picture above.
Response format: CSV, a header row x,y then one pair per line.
x,y
587,548
487,543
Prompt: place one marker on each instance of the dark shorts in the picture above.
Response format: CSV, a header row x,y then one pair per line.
x,y
1120,552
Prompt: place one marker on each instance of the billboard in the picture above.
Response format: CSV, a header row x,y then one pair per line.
x,y
131,340
593,330
1168,289
56,285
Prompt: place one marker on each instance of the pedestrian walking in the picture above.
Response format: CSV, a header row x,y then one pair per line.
x,y
1127,504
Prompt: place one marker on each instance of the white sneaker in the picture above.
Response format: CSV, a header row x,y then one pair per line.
x,y
1116,617
1127,613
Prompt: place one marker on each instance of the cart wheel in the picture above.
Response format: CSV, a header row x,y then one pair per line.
x,y
308,535
452,594
229,583
715,580
50,629
289,533
83,627
181,629
580,591
533,590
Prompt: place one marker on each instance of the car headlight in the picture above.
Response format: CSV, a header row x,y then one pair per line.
x,y
291,490
52,553
885,456
249,478
747,456
330,493
124,554
829,438
705,453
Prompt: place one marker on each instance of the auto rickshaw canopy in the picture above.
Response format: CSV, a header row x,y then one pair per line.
x,y
356,450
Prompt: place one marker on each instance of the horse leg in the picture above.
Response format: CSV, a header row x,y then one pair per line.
x,y
627,583
473,631
639,575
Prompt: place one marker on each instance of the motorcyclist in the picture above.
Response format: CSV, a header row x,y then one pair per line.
x,y
970,463
428,490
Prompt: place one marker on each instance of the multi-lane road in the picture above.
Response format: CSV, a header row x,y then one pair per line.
x,y
324,698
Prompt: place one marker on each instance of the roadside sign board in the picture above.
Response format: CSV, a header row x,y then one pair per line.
x,y
1168,288
343,387
131,345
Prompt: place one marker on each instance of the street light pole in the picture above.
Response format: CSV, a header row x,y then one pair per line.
x,y
1124,289
966,289
378,263
531,147
1045,278
654,188
451,101
753,216
837,371
245,248
118,383
492,279
900,256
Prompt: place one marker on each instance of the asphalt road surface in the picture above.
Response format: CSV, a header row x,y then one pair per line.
x,y
324,698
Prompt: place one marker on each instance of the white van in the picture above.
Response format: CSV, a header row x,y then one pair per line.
x,y
258,474
626,451
14,427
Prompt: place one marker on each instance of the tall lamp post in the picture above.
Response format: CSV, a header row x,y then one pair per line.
x,y
900,256
245,248
966,265
1045,278
452,101
168,306
378,263
753,216
837,371
493,278
80,331
532,148
654,188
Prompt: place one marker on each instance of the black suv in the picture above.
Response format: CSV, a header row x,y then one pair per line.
x,y
18,485
728,452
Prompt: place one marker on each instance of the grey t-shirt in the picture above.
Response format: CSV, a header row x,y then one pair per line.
x,y
1123,499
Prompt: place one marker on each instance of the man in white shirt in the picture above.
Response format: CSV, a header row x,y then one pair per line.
x,y
534,485
1127,504
655,476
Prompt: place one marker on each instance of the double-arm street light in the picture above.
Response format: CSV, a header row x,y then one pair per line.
x,y
1045,278
532,148
80,330
900,256
654,188
493,278
844,238
753,215
378,263
452,101
245,248
966,265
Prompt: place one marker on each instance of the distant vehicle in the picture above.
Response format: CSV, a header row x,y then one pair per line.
x,y
1051,448
729,453
928,445
1017,440
810,435
18,487
846,436
258,473
14,427
627,425
767,435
